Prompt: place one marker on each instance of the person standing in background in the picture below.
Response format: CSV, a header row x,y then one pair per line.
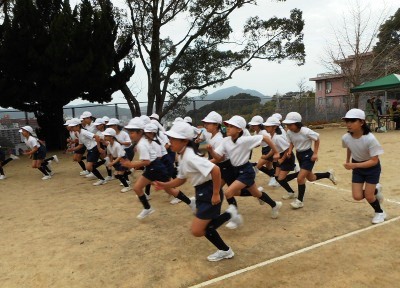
x,y
378,105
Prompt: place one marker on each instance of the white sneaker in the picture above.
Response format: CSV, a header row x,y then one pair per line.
x,y
289,196
109,178
220,255
84,173
236,219
56,158
175,201
379,218
275,210
2,177
51,173
379,194
261,189
14,157
46,177
129,183
193,205
296,168
145,213
273,182
232,209
107,159
296,204
332,177
90,175
100,182
126,189
231,225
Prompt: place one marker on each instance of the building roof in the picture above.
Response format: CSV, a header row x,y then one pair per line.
x,y
325,76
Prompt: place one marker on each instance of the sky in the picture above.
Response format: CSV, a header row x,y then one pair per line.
x,y
321,18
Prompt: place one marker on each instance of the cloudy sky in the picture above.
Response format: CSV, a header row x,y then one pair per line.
x,y
321,18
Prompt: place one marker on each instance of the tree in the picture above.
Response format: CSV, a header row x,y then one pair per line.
x,y
51,55
206,54
350,52
387,48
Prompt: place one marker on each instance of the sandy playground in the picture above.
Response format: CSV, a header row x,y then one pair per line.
x,y
65,232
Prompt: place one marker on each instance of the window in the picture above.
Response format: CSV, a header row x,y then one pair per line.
x,y
320,100
328,87
319,86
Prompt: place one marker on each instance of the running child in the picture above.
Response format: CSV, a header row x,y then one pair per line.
x,y
72,142
301,138
100,125
363,151
4,162
206,178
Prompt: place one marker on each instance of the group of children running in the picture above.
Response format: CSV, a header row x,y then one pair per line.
x,y
159,151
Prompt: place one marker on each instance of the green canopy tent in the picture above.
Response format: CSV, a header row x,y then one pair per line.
x,y
391,81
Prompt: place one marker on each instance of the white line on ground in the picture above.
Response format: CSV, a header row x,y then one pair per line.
x,y
294,253
335,188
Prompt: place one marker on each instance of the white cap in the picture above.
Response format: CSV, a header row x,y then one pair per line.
x,y
146,119
213,117
150,127
237,121
67,122
109,132
106,118
355,114
188,119
272,121
74,122
292,117
113,121
177,119
256,120
27,128
155,116
99,121
135,123
158,124
181,130
277,116
86,114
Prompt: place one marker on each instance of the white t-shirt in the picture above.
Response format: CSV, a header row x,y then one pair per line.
x,y
193,167
238,152
303,139
31,142
147,150
122,137
73,135
116,150
91,128
264,133
164,141
284,133
363,148
86,138
280,142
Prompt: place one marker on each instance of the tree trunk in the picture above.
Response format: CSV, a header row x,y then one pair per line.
x,y
131,100
51,128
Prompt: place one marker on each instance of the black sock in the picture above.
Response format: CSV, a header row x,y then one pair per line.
x,y
322,175
147,189
221,219
82,164
122,180
109,171
84,158
376,206
245,193
292,176
183,197
253,163
46,167
302,191
1,171
6,161
144,201
99,163
41,169
264,197
269,172
285,185
213,236
49,159
97,174
231,201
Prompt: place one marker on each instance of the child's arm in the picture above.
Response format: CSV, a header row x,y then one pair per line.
x,y
216,179
134,164
271,144
170,184
369,163
314,157
31,152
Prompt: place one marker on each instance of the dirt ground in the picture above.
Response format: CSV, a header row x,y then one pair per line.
x,y
65,232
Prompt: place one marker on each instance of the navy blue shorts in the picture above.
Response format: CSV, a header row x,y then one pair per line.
x,y
81,150
265,151
119,167
288,164
166,160
40,154
227,173
205,210
369,175
305,161
245,174
93,155
156,171
129,153
2,155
